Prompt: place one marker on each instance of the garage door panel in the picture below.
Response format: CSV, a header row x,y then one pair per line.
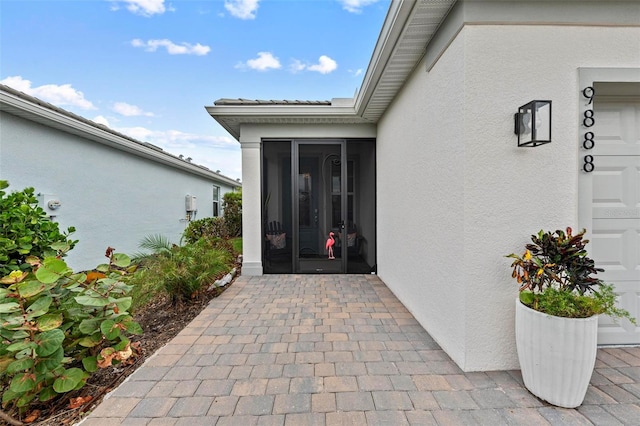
x,y
617,130
616,187
613,191
615,248
621,331
608,185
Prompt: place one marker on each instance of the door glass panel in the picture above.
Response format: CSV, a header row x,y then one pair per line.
x,y
319,207
361,201
277,208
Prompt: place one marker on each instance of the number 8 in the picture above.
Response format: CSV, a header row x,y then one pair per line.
x,y
588,118
588,142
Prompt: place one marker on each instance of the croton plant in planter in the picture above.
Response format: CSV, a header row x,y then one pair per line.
x,y
557,315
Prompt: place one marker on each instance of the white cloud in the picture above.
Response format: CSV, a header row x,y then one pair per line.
x,y
263,62
101,120
58,95
243,9
144,7
214,152
357,72
296,66
172,48
173,140
355,6
325,65
128,110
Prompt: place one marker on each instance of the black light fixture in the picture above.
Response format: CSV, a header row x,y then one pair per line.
x,y
533,123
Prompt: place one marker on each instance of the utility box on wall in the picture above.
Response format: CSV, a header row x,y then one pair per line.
x,y
190,203
50,204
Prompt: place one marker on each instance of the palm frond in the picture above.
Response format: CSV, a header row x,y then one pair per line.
x,y
156,243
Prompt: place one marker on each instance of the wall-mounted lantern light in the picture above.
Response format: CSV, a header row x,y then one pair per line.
x,y
533,123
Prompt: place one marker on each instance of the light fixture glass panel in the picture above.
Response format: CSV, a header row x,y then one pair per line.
x,y
543,124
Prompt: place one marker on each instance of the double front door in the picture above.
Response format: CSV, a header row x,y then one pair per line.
x,y
319,194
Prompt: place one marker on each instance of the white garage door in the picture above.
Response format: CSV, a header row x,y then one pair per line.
x,y
615,211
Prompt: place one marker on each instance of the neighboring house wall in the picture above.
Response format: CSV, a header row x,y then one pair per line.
x,y
112,198
448,155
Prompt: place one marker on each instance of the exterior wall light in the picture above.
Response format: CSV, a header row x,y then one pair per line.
x,y
533,123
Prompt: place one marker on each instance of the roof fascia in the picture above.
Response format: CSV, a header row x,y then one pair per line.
x,y
268,110
20,107
397,16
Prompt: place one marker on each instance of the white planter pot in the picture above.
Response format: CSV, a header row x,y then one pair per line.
x,y
557,355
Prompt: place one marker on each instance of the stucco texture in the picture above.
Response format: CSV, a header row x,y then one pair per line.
x,y
447,154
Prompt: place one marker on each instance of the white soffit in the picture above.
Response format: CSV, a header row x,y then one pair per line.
x,y
407,29
396,56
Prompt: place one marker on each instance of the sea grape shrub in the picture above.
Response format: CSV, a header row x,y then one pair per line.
x,y
58,327
25,230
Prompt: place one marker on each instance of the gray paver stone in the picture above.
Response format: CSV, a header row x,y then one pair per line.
x,y
193,406
258,405
153,407
354,401
292,403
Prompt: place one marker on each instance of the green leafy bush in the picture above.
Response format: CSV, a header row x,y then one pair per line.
x,y
232,208
26,230
59,326
208,227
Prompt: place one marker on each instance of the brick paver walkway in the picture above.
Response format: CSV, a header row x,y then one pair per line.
x,y
338,350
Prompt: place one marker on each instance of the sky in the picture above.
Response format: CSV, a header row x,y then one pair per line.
x,y
148,68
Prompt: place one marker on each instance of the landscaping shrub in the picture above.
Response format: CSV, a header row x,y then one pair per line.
x,y
25,230
183,272
209,227
232,208
59,326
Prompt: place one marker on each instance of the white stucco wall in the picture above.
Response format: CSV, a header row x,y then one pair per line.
x,y
112,198
420,157
448,155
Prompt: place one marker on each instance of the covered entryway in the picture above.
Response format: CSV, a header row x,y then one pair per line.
x,y
615,201
314,193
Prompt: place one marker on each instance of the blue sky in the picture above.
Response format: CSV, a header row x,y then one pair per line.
x,y
147,68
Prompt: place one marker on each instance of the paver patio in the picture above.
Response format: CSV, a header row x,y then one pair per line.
x,y
338,350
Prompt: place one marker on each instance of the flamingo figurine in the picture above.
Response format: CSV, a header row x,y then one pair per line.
x,y
329,246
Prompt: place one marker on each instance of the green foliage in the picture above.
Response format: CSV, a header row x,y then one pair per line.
x,y
184,272
209,227
227,226
554,274
232,207
26,230
59,326
570,304
237,245
157,244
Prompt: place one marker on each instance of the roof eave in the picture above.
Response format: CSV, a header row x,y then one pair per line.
x,y
22,107
397,15
231,117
